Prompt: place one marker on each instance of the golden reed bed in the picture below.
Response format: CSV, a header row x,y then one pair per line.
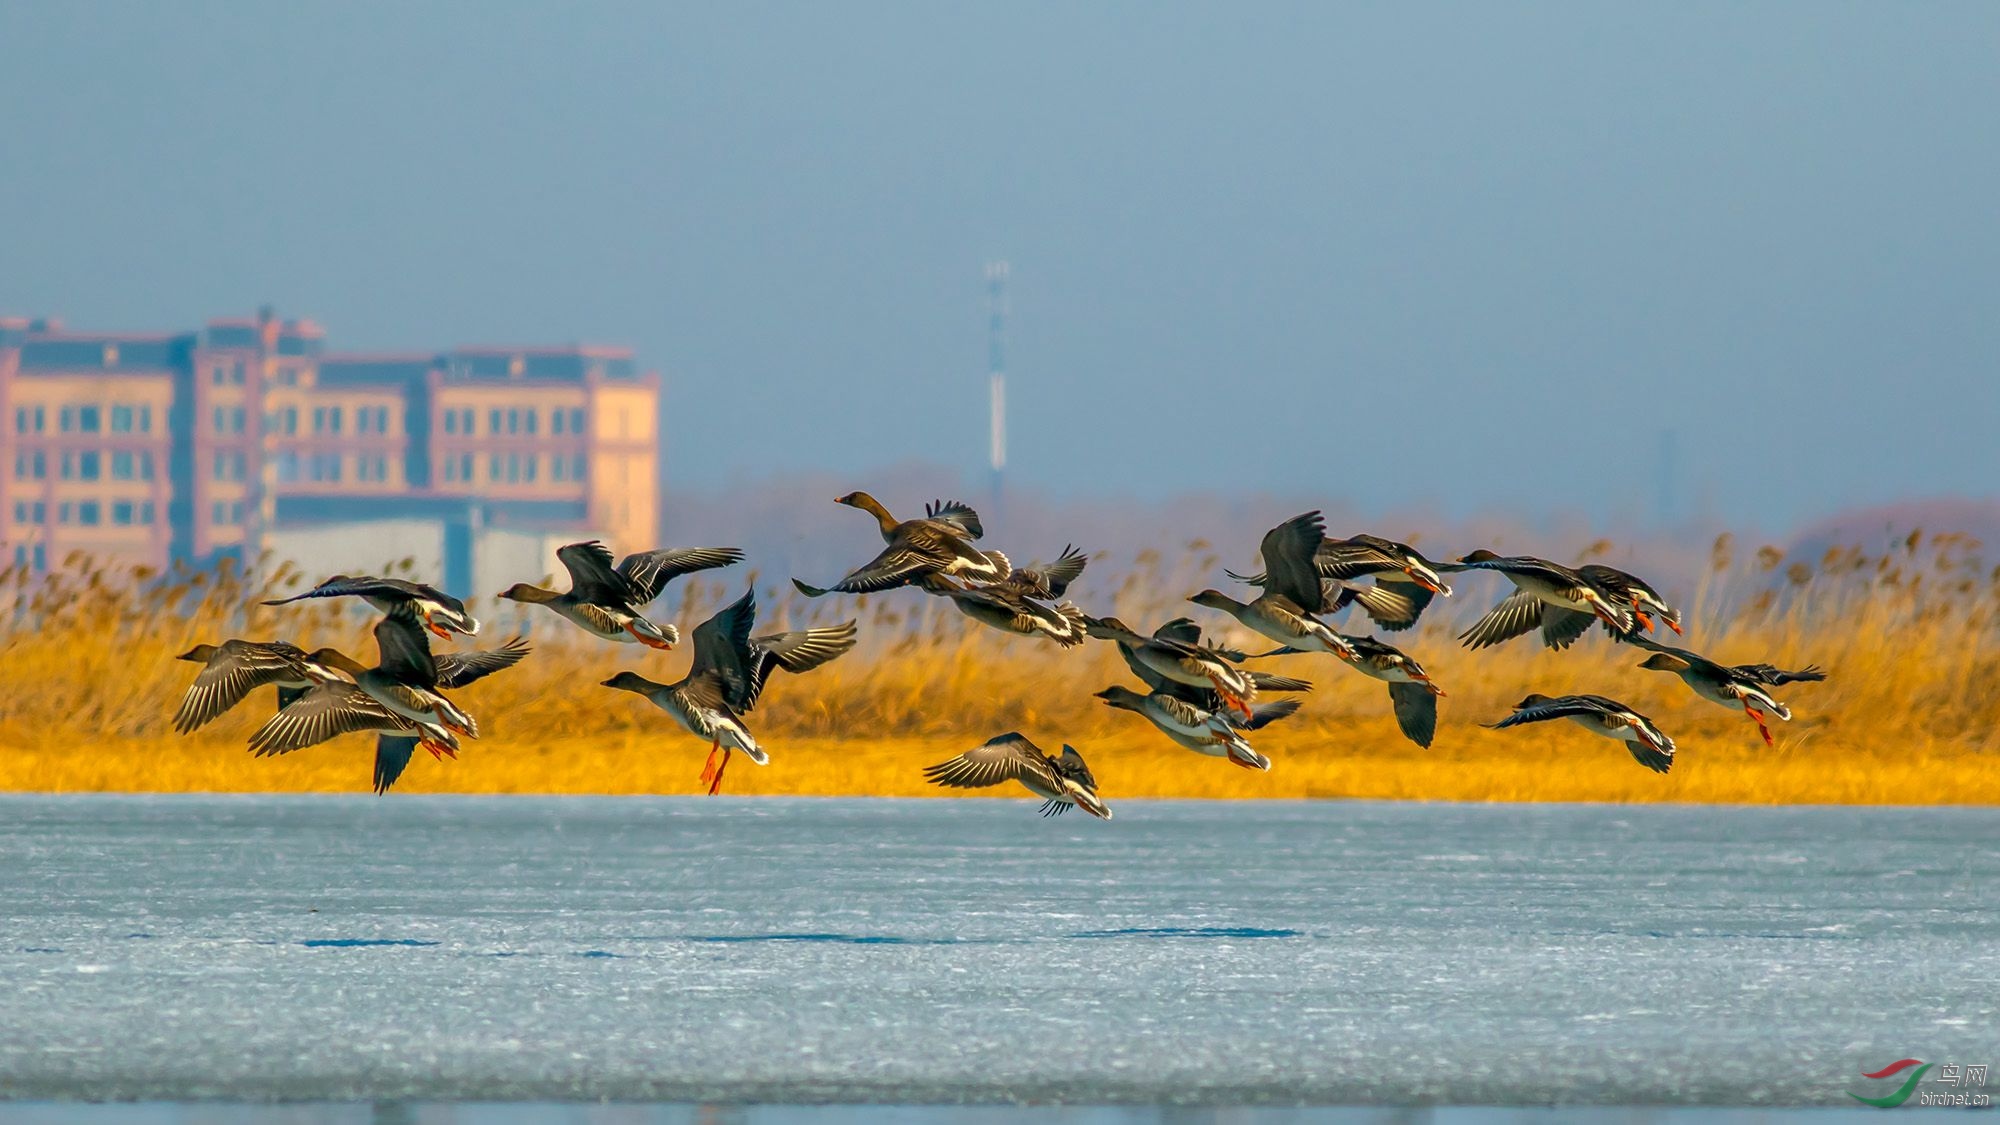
x,y
1907,717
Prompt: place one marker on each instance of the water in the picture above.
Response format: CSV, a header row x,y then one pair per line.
x,y
398,950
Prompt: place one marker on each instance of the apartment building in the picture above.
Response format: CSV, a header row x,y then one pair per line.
x,y
197,445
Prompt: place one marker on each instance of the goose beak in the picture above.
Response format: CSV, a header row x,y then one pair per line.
x,y
1427,581
1674,625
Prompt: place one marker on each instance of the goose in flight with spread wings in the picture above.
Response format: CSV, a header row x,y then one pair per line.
x,y
399,701
929,551
607,601
1293,592
1549,596
727,677
1059,781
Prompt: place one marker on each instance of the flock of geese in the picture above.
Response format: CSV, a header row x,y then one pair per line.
x,y
1195,690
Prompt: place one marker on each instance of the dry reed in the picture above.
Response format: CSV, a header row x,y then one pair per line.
x,y
86,654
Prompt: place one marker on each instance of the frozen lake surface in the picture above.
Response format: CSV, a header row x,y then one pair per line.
x,y
737,950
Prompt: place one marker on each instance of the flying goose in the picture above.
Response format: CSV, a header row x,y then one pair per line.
x,y
929,551
727,676
440,612
1059,782
606,601
1649,745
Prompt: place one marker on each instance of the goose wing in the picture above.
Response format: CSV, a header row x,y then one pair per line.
x,y
327,711
1541,708
392,756
722,650
800,650
237,669
406,651
1394,603
593,579
1773,676
957,515
1289,551
648,572
1518,613
457,669
1071,765
1561,627
899,564
1008,757
1416,712
1053,580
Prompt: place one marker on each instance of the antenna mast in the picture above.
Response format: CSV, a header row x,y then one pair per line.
x,y
996,369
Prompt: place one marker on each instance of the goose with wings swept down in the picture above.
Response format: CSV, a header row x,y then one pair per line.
x,y
440,612
607,601
1059,781
930,551
1018,603
1293,593
727,676
1741,685
1548,596
410,676
235,668
1649,745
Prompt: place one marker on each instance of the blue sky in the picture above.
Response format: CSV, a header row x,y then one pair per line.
x,y
1458,257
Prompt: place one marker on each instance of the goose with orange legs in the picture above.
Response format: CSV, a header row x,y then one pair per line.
x,y
727,676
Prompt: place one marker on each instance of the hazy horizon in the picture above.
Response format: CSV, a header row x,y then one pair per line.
x,y
1451,260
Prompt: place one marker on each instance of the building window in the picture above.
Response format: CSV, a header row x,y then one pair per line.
x,y
450,468
291,419
88,513
145,419
324,467
145,465
121,419
529,422
451,421
493,468
236,373
465,466
65,513
236,420
578,468
493,423
31,465
145,511
217,419
28,419
576,421
371,468
288,467
333,419
528,466
121,513
218,375
218,512
124,465
20,511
